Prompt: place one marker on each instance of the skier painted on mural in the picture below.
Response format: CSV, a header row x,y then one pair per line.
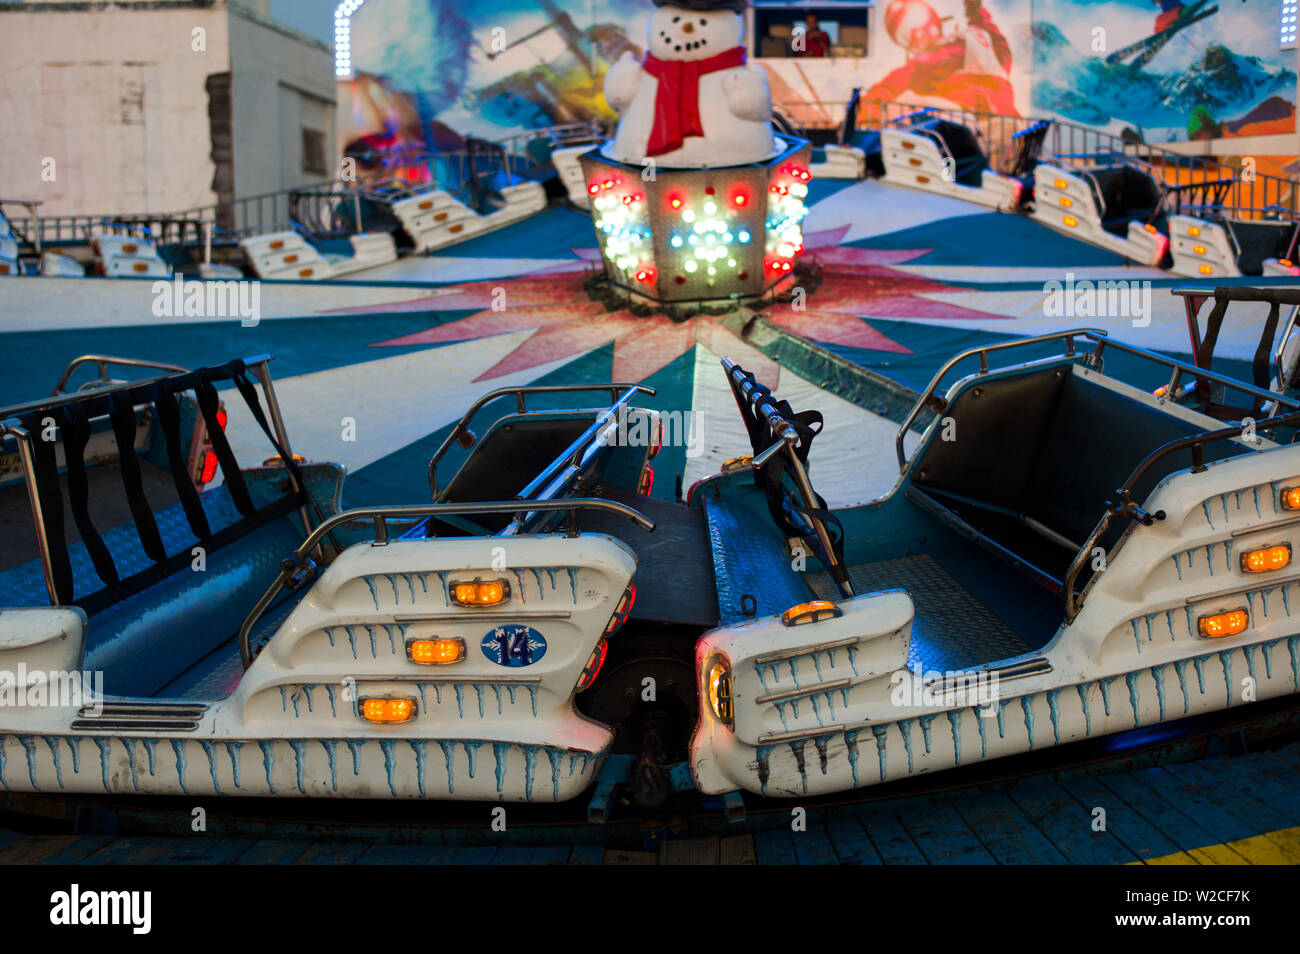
x,y
969,67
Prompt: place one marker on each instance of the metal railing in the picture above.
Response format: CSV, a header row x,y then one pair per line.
x,y
1071,142
298,568
462,434
1093,358
1123,505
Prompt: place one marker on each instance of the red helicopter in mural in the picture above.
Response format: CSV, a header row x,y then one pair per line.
x,y
969,67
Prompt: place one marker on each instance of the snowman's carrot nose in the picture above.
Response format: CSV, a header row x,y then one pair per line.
x,y
688,28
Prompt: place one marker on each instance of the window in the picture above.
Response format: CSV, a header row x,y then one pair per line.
x,y
313,152
781,29
1287,32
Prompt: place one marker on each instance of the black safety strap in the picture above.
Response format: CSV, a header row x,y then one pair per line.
x,y
208,405
1264,353
146,527
249,393
169,419
45,463
75,428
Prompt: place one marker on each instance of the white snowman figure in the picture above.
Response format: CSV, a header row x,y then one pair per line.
x,y
693,102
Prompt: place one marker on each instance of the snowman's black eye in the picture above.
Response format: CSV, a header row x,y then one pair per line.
x,y
678,49
704,23
677,19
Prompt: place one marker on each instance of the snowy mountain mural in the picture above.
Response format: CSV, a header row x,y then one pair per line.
x,y
1222,75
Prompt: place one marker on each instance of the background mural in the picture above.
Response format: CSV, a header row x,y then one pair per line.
x,y
430,72
1164,71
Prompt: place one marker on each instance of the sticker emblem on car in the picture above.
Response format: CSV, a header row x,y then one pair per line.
x,y
514,646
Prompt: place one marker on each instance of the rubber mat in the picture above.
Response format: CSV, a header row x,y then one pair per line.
x,y
951,629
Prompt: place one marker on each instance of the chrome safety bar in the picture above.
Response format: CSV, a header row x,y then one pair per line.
x,y
1102,341
102,361
300,567
1123,505
465,436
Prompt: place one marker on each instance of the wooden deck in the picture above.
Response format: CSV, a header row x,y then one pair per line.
x,y
1242,810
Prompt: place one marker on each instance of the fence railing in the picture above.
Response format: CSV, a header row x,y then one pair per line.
x,y
1245,194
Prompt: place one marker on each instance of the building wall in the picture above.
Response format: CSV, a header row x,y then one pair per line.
x,y
281,83
116,98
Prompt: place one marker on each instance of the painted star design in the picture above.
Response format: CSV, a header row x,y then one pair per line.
x,y
565,323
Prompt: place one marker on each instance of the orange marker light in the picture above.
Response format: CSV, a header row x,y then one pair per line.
x,y
387,710
1071,221
811,612
480,592
441,651
1223,624
1060,183
1290,498
1266,558
1198,249
1066,201
1206,270
718,683
1193,230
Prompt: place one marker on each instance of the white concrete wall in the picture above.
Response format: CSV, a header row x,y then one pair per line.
x,y
282,81
116,98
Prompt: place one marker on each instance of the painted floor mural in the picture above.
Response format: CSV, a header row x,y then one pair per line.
x,y
908,279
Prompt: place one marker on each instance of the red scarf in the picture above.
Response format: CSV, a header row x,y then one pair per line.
x,y
677,101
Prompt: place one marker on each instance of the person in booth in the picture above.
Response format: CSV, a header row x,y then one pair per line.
x,y
814,40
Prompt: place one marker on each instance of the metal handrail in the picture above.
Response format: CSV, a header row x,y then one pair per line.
x,y
1102,341
299,567
465,436
1124,506
787,437
983,351
102,361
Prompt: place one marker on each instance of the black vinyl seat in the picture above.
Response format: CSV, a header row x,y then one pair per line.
x,y
1036,458
1126,192
964,147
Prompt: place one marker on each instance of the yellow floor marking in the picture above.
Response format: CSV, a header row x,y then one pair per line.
x,y
1280,847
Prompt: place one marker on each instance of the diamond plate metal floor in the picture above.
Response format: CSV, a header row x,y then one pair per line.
x,y
952,629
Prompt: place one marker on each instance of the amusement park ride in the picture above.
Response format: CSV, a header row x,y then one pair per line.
x,y
492,643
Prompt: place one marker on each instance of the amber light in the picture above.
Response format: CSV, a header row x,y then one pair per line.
x,y
1066,201
1266,558
1223,624
480,592
440,651
1193,230
387,710
1060,183
1205,270
1071,221
717,681
812,612
1198,249
1291,498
